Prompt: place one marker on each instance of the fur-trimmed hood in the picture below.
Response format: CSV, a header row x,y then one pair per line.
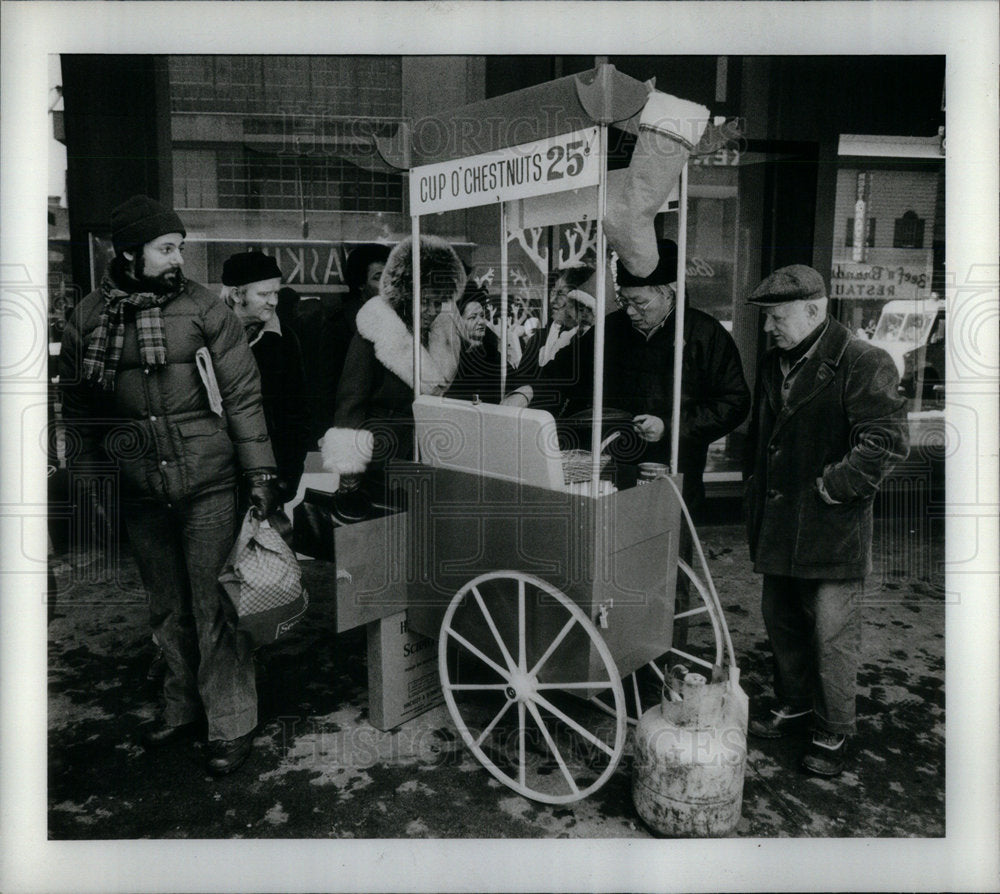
x,y
379,324
347,451
440,269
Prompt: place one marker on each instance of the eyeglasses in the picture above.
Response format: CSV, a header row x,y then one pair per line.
x,y
625,304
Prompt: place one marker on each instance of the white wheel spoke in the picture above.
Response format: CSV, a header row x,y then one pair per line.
x,y
522,633
493,629
635,692
493,723
553,645
691,611
693,658
570,722
552,747
522,757
482,727
485,658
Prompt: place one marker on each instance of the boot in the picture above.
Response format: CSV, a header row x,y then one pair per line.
x,y
669,128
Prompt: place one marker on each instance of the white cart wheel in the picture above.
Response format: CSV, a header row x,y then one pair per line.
x,y
702,653
505,641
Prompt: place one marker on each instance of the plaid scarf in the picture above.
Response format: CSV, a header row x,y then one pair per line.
x,y
100,363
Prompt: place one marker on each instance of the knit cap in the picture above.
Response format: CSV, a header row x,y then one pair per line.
x,y
139,220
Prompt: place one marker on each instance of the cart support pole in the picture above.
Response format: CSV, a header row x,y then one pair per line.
x,y
675,407
601,251
503,300
415,233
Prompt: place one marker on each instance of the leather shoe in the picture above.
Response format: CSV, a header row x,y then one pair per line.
x,y
826,755
157,733
226,755
781,722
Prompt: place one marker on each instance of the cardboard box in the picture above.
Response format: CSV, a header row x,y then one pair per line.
x,y
403,679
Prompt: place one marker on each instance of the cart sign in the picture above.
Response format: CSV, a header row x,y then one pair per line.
x,y
568,161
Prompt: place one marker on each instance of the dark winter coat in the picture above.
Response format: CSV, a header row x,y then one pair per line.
x,y
157,426
638,378
553,383
282,385
844,421
324,345
478,373
374,416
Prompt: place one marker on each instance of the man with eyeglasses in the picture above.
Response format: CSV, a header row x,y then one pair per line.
x,y
639,372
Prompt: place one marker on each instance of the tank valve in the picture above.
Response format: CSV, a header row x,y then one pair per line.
x,y
602,613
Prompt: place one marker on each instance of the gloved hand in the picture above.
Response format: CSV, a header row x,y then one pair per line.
x,y
349,484
264,491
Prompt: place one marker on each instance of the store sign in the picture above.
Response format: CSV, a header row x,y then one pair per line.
x,y
850,280
569,161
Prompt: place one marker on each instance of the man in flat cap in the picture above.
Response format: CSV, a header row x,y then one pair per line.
x,y
134,397
828,423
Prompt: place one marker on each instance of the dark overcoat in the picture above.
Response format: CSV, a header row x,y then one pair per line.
x,y
283,389
843,421
639,375
374,418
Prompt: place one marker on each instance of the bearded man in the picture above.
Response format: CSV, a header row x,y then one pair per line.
x,y
133,392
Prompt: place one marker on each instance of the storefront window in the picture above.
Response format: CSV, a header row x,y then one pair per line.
x,y
711,272
884,286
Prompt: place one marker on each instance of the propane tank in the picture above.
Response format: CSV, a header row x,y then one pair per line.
x,y
690,757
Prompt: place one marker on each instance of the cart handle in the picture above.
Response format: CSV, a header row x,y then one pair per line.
x,y
734,670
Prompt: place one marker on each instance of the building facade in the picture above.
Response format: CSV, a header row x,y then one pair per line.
x,y
836,162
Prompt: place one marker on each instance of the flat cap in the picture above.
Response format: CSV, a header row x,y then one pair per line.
x,y
249,266
796,282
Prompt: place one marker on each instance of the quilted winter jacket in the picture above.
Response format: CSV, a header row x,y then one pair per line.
x,y
844,421
157,426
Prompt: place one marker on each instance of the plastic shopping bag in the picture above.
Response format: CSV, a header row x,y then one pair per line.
x,y
263,580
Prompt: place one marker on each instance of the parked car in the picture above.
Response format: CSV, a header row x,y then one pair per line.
x,y
913,333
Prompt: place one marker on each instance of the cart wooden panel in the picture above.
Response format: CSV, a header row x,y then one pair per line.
x,y
615,557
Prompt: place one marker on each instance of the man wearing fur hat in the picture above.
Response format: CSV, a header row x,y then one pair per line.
x,y
828,422
250,284
373,423
639,373
133,393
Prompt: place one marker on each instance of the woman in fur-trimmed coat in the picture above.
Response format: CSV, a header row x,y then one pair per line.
x,y
373,421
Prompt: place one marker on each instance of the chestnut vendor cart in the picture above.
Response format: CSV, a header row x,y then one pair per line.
x,y
547,583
